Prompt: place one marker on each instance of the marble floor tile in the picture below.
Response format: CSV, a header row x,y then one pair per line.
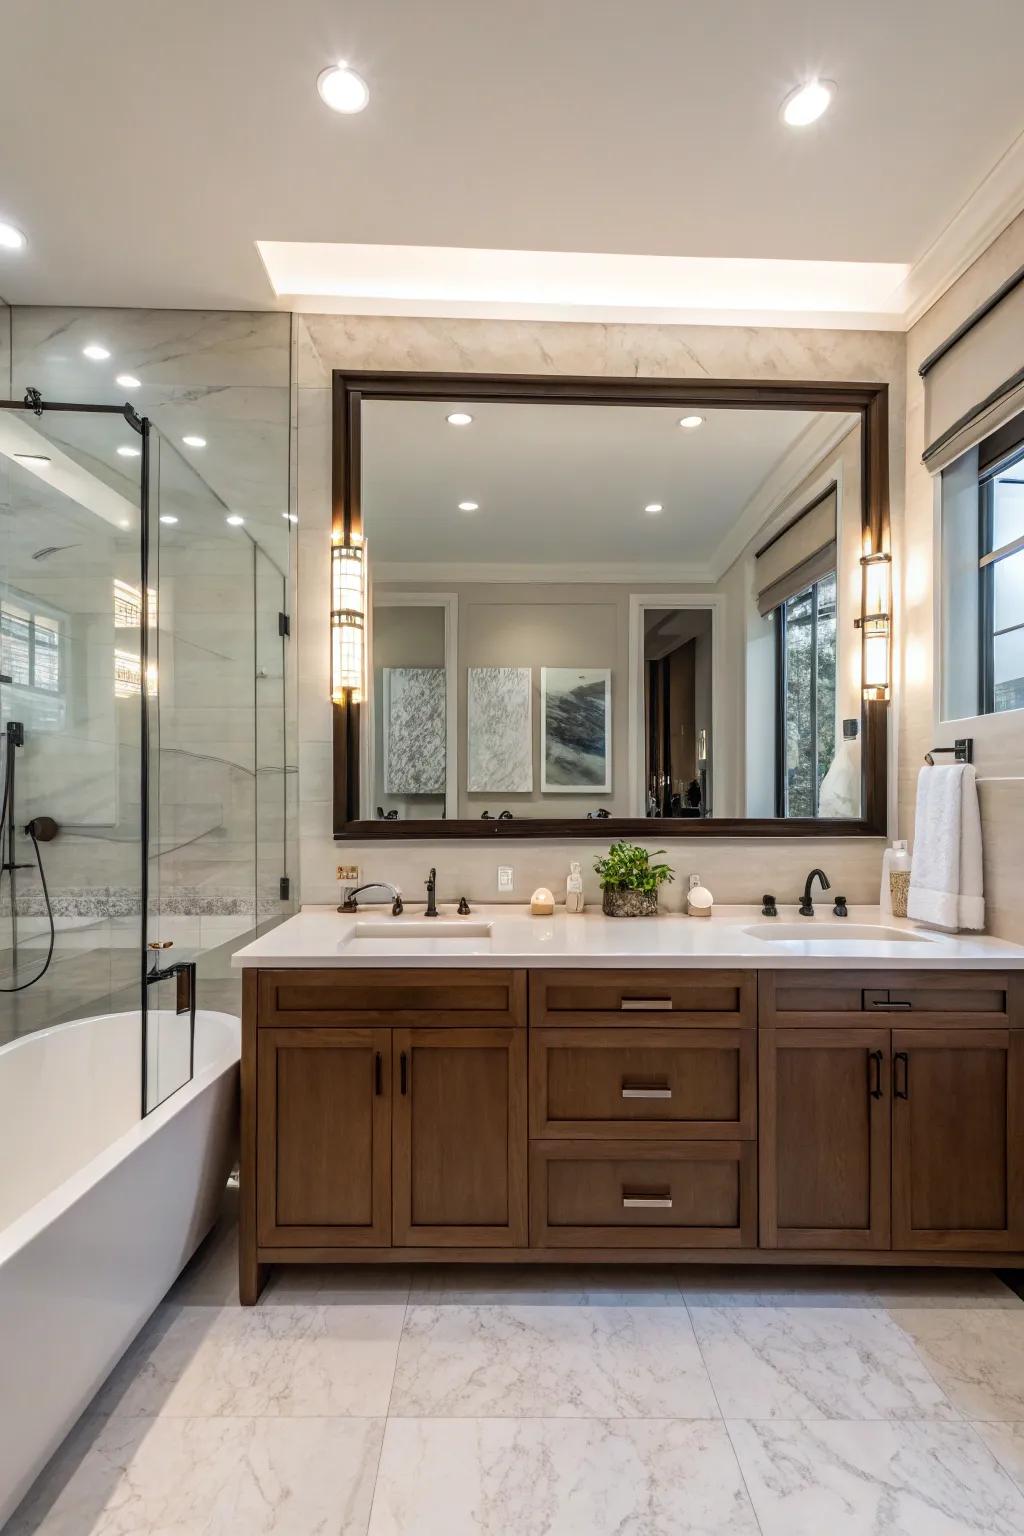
x,y
536,1477
967,1288
1006,1442
207,1477
328,1285
565,1285
875,1479
814,1363
550,1362
247,1361
752,1285
977,1357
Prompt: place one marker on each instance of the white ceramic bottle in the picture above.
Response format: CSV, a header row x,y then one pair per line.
x,y
574,888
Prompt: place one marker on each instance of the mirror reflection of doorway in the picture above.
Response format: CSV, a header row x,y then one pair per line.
x,y
677,682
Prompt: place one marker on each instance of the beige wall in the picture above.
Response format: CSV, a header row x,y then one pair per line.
x,y
736,869
999,741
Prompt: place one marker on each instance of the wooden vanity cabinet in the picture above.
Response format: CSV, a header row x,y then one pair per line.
x,y
628,1115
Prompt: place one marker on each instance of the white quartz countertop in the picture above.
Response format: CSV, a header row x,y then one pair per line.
x,y
509,936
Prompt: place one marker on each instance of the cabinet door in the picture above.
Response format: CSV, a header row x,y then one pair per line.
x,y
824,1138
460,1137
323,1159
958,1139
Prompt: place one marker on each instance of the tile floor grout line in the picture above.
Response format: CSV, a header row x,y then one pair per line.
x,y
972,1425
920,1358
387,1410
724,1421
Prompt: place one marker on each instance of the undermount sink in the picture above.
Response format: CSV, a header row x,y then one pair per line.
x,y
401,929
841,932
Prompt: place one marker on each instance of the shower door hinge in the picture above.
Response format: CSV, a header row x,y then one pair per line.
x,y
284,625
285,888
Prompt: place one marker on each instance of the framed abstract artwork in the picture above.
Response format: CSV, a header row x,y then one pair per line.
x,y
575,730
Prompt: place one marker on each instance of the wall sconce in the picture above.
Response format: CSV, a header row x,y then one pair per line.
x,y
875,625
348,618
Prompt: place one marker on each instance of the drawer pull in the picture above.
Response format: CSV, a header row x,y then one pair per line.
x,y
647,1202
635,1091
646,1004
891,1006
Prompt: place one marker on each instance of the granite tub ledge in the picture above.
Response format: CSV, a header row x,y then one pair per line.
x,y
320,936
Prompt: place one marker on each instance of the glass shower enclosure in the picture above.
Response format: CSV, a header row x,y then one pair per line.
x,y
144,828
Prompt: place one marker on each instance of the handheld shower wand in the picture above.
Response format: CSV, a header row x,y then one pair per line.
x,y
39,829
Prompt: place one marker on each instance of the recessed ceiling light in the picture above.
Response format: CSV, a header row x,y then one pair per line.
x,y
167,518
808,102
126,524
11,239
342,89
292,517
191,441
234,521
689,422
128,381
469,506
37,460
95,352
654,506
459,419
127,452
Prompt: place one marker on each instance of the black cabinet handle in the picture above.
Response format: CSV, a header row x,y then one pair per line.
x,y
403,1073
897,1091
378,1077
875,1074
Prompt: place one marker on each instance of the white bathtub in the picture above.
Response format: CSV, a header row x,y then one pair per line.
x,y
99,1210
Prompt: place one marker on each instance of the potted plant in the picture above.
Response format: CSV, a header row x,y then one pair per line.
x,y
629,881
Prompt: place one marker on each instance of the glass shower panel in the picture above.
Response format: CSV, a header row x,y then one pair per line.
x,y
70,613
271,772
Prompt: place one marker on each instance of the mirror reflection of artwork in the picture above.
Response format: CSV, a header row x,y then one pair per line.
x,y
414,733
500,730
576,718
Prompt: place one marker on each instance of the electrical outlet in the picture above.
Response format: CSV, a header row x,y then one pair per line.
x,y
694,881
506,877
348,872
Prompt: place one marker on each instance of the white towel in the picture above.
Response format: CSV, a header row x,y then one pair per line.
x,y
946,887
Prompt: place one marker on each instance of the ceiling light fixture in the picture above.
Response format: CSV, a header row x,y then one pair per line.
x,y
469,506
689,422
654,506
234,521
342,89
291,517
459,419
128,381
808,102
95,352
11,239
37,460
129,453
191,441
167,518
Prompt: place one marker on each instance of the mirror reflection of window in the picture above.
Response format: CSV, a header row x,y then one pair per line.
x,y
806,630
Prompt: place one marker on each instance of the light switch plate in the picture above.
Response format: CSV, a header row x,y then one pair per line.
x,y
506,877
348,872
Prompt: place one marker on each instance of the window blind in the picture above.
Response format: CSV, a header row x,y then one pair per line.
x,y
974,382
802,553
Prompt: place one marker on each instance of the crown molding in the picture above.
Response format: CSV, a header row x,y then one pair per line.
x,y
990,209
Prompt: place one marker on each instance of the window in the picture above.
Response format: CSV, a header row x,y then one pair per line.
x,y
32,657
1001,593
806,693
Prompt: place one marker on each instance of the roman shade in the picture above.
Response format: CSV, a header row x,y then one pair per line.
x,y
974,382
804,552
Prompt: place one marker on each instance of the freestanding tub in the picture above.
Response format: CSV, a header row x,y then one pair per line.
x,y
99,1209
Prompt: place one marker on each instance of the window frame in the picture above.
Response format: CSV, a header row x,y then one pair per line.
x,y
782,697
988,559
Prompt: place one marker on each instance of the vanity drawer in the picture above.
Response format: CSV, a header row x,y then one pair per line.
x,y
792,998
665,1083
409,998
630,998
643,1194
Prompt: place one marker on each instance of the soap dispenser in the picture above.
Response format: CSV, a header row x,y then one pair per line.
x,y
895,879
574,888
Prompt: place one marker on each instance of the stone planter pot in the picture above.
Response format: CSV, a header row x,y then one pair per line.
x,y
629,903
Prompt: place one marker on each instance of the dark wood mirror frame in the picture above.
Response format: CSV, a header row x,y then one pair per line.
x,y
869,401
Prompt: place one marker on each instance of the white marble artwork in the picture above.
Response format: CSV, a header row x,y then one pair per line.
x,y
414,731
575,730
499,730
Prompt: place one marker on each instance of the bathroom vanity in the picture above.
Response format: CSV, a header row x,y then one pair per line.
x,y
507,1088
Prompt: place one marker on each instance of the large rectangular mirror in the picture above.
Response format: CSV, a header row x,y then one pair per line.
x,y
620,602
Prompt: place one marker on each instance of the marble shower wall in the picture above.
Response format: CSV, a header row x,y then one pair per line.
x,y
737,869
228,785
999,740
